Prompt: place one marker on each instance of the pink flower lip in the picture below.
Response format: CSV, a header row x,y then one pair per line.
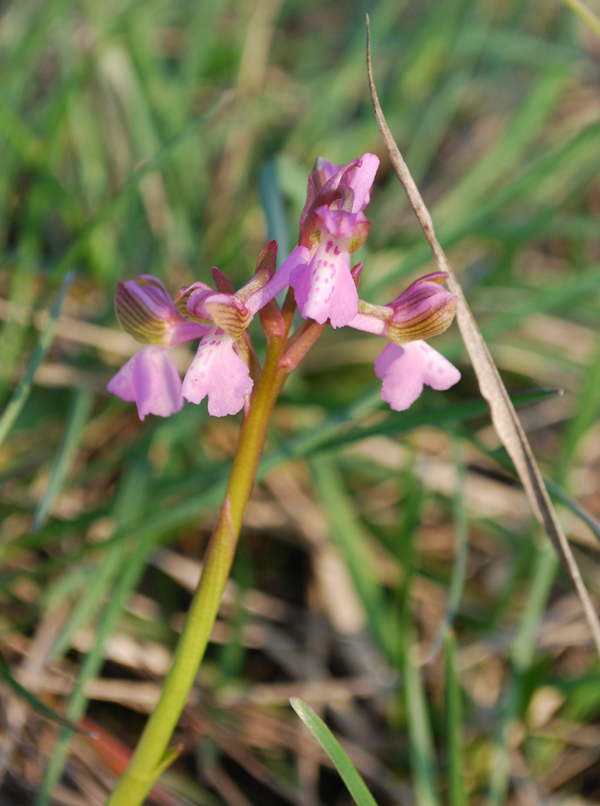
x,y
217,372
151,381
405,369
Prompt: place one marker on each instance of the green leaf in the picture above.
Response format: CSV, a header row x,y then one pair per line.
x,y
461,552
19,398
77,417
348,772
457,794
33,701
422,751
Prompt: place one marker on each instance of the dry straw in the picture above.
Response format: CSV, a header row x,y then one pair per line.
x,y
492,388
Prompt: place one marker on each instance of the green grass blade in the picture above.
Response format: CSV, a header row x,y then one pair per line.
x,y
129,505
459,568
15,330
157,161
522,654
19,398
77,417
332,434
581,512
323,439
457,794
421,742
273,206
556,490
131,561
353,541
33,701
348,772
501,158
586,412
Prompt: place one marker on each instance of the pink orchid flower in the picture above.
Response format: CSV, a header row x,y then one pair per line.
x,y
146,311
333,226
423,310
217,370
219,373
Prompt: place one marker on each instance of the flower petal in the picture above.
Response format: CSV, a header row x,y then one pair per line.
x,y
147,312
151,381
350,227
404,370
324,288
219,372
361,181
280,280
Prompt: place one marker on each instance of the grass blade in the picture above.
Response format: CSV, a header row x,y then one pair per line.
x,y
576,508
33,701
154,164
457,794
273,206
325,438
421,742
130,560
77,417
351,538
19,398
348,772
459,569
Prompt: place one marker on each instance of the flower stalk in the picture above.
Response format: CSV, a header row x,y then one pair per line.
x,y
151,756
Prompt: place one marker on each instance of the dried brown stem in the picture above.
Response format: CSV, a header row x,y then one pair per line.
x,y
492,388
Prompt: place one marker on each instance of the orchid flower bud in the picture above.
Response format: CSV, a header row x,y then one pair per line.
x,y
223,310
146,311
424,310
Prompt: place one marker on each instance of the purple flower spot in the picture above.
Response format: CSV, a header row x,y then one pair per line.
x,y
336,251
329,245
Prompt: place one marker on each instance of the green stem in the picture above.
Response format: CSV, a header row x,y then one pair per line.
x,y
151,755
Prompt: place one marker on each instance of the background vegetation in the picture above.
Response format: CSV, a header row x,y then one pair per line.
x,y
167,137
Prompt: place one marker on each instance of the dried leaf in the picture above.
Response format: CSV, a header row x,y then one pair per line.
x,y
492,388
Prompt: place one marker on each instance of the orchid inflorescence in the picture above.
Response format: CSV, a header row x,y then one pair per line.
x,y
322,285
332,226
